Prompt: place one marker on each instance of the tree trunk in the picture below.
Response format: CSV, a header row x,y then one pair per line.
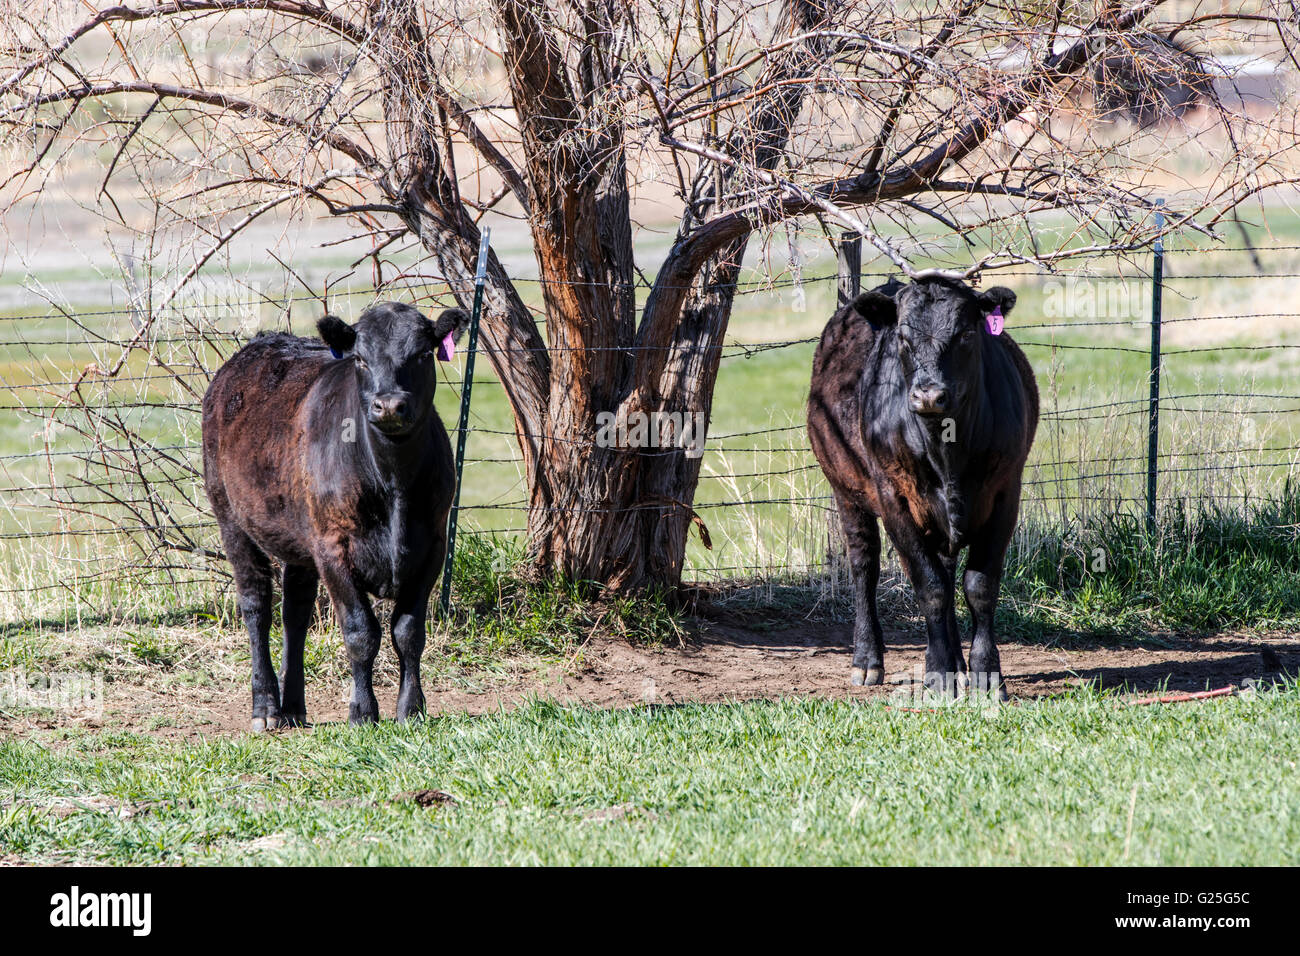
x,y
618,517
621,516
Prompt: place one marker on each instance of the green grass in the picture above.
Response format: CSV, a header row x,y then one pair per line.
x,y
1075,780
497,606
1203,569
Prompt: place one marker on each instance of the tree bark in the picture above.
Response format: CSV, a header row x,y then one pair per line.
x,y
420,184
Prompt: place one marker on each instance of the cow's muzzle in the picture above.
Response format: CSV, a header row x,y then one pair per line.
x,y
391,412
929,400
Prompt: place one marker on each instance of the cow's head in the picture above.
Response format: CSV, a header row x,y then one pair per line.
x,y
395,350
940,330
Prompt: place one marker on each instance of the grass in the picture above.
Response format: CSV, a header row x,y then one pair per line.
x,y
1196,570
499,609
1073,780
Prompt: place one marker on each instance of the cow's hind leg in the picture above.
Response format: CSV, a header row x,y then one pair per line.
x,y
253,586
299,604
981,583
862,534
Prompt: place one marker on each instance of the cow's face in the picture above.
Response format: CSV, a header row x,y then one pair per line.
x,y
394,350
940,332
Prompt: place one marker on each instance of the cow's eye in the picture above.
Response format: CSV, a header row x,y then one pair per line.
x,y
361,363
427,355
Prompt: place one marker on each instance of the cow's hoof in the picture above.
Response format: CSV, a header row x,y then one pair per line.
x,y
870,677
988,684
410,705
261,724
293,720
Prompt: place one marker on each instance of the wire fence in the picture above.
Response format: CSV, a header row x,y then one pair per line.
x,y
102,479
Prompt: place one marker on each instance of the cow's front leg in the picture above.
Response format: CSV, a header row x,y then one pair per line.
x,y
361,636
934,589
410,611
949,564
981,583
934,592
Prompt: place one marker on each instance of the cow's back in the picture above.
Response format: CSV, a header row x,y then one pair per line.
x,y
1027,382
846,365
253,451
834,409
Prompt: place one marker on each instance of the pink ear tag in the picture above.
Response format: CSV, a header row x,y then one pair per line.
x,y
447,350
994,321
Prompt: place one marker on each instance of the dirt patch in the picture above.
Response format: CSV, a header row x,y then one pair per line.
x,y
726,662
732,663
425,798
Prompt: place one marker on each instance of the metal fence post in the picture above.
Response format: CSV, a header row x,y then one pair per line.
x,y
849,253
462,432
1153,409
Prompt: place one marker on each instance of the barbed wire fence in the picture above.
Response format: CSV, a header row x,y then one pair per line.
x,y
102,477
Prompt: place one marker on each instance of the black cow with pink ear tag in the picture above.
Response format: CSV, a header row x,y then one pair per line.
x,y
328,456
921,413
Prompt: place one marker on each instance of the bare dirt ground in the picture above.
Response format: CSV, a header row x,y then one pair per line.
x,y
725,662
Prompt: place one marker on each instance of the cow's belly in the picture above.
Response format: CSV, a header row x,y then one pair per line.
x,y
284,547
277,522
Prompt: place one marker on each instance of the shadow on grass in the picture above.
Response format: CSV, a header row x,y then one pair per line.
x,y
1137,661
786,610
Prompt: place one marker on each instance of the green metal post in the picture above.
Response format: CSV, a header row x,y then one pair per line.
x,y
462,432
1153,407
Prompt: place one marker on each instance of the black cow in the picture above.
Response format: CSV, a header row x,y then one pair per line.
x,y
331,459
922,414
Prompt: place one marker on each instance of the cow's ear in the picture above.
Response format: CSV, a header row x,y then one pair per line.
x,y
876,307
451,322
337,334
998,297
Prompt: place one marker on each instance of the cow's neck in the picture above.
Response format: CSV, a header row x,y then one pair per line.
x,y
956,448
395,467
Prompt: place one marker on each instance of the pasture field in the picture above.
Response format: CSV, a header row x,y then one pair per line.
x,y
1073,780
753,750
